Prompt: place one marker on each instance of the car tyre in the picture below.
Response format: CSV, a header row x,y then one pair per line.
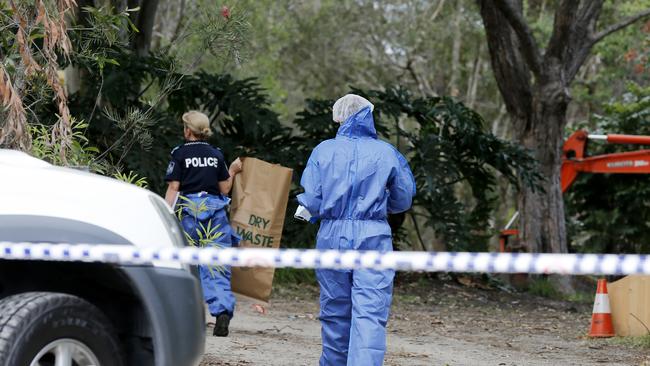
x,y
38,327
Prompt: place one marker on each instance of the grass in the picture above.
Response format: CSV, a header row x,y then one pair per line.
x,y
294,276
545,288
407,299
642,342
581,297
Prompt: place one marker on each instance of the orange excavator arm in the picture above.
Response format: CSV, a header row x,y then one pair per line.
x,y
575,161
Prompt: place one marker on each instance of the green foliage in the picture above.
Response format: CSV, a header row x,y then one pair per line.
x,y
205,235
616,61
545,288
132,178
80,153
450,149
102,35
608,213
195,208
642,342
294,276
318,48
123,127
224,37
210,34
133,104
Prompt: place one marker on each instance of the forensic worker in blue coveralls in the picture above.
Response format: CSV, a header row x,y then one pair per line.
x,y
197,172
351,183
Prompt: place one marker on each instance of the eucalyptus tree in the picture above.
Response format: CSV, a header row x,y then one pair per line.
x,y
535,81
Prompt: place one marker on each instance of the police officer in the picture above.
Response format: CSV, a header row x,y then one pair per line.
x,y
197,173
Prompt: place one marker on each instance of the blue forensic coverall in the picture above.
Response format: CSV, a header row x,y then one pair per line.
x,y
199,167
351,183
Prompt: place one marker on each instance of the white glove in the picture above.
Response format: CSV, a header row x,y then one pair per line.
x,y
302,214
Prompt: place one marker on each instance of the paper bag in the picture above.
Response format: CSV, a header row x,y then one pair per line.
x,y
259,203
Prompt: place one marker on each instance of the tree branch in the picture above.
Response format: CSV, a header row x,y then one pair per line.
x,y
511,71
145,22
565,17
579,41
436,12
618,26
527,42
414,75
589,15
179,25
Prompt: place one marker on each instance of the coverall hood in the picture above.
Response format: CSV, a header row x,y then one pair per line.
x,y
360,124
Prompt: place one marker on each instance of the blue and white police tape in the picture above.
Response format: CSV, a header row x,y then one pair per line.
x,y
604,264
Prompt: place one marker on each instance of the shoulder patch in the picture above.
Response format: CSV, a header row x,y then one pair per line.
x,y
217,150
170,167
174,149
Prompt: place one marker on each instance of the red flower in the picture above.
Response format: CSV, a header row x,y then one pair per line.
x,y
630,55
225,12
639,68
646,27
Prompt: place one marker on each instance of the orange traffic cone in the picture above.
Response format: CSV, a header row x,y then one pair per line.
x,y
601,317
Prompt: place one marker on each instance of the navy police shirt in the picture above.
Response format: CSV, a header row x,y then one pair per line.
x,y
198,166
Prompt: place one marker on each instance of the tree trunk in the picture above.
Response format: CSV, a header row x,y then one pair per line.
x,y
537,108
455,51
144,21
473,80
542,224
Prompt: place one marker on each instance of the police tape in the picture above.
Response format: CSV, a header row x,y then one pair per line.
x,y
603,264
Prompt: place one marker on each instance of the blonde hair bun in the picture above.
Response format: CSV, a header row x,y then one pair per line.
x,y
206,132
198,123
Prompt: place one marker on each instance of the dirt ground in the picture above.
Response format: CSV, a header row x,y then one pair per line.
x,y
438,323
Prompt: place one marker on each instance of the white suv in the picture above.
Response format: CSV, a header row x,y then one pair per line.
x,y
73,313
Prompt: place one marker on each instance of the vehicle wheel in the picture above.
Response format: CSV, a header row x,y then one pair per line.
x,y
52,329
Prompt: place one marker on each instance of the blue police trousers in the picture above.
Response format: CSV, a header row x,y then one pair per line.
x,y
215,281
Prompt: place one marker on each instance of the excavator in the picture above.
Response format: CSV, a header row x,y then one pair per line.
x,y
575,160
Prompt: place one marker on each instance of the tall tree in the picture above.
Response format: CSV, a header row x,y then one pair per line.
x,y
534,83
144,21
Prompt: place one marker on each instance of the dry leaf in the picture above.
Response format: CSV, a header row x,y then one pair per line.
x,y
259,308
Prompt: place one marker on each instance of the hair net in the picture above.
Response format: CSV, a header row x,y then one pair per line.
x,y
348,105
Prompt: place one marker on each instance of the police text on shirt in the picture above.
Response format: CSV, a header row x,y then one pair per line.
x,y
201,162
